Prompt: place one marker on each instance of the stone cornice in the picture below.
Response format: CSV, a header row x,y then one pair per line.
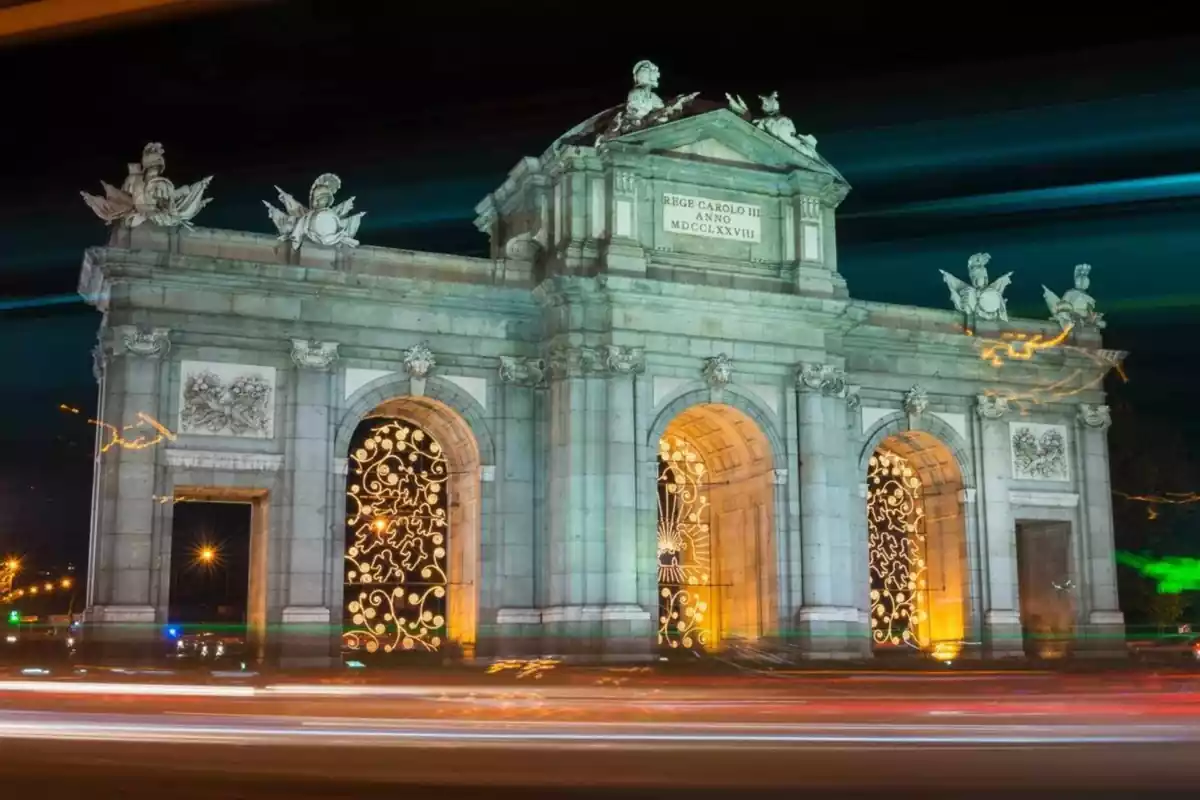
x,y
223,460
283,281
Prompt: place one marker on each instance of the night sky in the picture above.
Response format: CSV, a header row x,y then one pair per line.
x,y
958,134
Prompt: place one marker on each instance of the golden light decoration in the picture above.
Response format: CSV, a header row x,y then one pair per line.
x,y
117,436
1023,347
896,545
397,525
207,555
684,548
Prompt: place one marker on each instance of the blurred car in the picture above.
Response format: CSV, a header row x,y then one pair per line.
x,y
1167,648
207,647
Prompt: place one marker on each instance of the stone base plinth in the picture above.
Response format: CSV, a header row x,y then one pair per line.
x,y
1002,635
831,633
122,635
305,639
600,633
1103,636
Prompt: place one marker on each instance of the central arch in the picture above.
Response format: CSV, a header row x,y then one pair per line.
x,y
716,530
413,526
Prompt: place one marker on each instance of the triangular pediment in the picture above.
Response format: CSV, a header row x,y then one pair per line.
x,y
711,149
723,136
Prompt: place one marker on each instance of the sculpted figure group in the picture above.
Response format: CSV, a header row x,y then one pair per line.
x,y
147,195
981,299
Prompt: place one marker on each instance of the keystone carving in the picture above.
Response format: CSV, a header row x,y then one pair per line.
x,y
718,371
916,401
419,360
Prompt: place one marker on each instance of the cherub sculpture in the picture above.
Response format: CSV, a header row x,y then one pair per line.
x,y
775,123
322,222
1076,306
147,196
979,299
643,107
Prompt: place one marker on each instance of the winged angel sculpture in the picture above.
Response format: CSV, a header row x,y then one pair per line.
x,y
322,222
979,299
147,196
1076,306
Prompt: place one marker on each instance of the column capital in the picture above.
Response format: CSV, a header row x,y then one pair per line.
x,y
311,354
620,360
991,406
1094,416
147,343
824,378
523,371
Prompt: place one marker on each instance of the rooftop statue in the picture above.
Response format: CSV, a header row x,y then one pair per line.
x,y
322,222
643,107
774,123
147,196
979,299
1076,306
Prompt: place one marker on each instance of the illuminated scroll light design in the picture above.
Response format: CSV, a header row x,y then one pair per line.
x,y
396,559
1020,347
1153,501
117,436
896,542
684,547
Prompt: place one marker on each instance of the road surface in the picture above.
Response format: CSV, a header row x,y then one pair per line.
x,y
944,736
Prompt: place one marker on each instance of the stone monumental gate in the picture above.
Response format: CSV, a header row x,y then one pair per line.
x,y
653,420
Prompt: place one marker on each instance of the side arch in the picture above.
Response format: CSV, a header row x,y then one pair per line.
x,y
458,423
392,387
938,454
897,425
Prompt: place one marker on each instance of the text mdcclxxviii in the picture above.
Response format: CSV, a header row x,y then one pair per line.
x,y
397,525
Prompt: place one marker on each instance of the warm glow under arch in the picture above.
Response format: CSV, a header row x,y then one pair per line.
x,y
916,545
715,535
412,530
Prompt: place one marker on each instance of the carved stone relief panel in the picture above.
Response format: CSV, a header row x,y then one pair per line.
x,y
1039,452
217,399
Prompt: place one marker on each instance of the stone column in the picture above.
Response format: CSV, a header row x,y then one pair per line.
x,y
628,628
576,507
828,624
1001,629
1105,631
517,629
123,615
309,613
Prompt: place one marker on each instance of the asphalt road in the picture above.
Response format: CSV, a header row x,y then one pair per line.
x,y
991,738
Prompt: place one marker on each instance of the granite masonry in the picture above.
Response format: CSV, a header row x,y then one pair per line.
x,y
653,419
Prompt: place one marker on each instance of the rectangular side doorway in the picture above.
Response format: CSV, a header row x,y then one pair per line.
x,y
219,570
1047,592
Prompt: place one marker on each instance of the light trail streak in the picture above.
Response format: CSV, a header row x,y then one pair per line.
x,y
359,733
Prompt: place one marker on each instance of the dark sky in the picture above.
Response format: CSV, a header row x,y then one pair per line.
x,y
964,131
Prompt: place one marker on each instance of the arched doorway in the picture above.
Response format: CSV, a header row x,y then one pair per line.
x,y
916,544
715,543
412,531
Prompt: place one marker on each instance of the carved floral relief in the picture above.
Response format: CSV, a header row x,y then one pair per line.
x,y
227,400
1039,452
